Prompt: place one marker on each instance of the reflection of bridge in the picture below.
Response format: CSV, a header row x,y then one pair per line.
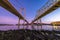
x,y
46,9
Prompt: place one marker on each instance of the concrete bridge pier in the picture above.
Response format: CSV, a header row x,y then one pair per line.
x,y
18,23
41,23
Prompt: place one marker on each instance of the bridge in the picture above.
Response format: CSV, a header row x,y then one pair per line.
x,y
49,6
8,6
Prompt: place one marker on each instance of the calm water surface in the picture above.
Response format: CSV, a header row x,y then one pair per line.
x,y
45,27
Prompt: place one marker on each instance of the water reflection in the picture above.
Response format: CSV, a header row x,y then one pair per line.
x,y
44,27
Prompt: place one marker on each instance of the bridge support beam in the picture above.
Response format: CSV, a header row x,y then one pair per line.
x,y
18,23
37,25
32,25
41,24
27,25
23,24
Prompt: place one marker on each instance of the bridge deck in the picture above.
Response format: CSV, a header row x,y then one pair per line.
x,y
7,5
48,11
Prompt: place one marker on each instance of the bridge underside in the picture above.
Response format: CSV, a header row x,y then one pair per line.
x,y
48,11
8,6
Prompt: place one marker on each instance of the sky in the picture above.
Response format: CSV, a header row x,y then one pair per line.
x,y
31,7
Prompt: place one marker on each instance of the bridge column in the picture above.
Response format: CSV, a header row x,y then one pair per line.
x,y
37,25
32,25
18,23
27,25
23,24
41,24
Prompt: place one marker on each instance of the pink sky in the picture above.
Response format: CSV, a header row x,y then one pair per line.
x,y
7,20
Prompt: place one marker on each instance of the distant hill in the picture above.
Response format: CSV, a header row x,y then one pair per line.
x,y
57,23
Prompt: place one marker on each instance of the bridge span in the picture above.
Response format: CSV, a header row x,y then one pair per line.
x,y
49,6
8,6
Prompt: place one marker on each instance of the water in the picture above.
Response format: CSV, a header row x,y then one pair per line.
x,y
44,27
